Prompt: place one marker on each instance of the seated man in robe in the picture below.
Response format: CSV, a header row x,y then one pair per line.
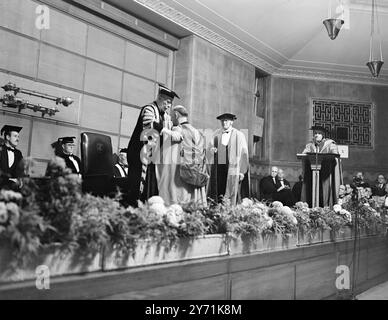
x,y
72,161
120,169
11,159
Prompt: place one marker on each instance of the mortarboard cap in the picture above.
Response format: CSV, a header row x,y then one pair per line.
x,y
7,129
181,109
318,128
227,116
124,150
66,140
166,91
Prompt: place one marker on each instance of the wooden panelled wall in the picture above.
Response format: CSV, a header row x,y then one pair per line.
x,y
307,272
291,115
108,76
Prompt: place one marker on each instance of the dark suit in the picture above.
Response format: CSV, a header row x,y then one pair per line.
x,y
267,188
70,164
6,172
379,191
117,173
297,190
285,196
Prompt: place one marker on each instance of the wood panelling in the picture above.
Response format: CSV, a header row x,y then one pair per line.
x,y
266,283
82,56
44,134
211,289
66,32
67,114
18,54
377,261
103,80
20,16
315,278
161,69
128,120
304,273
138,91
100,114
61,67
105,47
140,61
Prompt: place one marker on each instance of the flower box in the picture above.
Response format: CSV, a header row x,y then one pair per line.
x,y
58,260
265,242
149,252
317,236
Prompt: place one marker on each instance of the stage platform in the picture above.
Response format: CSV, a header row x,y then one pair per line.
x,y
306,271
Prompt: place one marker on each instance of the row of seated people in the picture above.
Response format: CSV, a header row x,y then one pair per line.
x,y
276,188
12,166
374,193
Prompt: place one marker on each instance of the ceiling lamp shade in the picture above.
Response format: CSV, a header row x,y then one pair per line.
x,y
373,64
333,24
375,67
333,27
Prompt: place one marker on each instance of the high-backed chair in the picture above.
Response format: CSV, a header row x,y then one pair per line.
x,y
96,157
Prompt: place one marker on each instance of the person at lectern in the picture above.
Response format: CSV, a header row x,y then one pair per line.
x,y
330,175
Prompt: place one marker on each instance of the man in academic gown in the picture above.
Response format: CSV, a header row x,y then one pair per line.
x,y
71,160
330,175
145,145
11,164
229,174
120,169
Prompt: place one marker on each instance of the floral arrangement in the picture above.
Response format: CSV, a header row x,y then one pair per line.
x,y
54,211
21,228
248,219
284,219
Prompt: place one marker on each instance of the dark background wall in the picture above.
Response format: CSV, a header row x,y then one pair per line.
x,y
291,116
211,81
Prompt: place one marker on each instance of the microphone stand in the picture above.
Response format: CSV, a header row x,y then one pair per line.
x,y
316,166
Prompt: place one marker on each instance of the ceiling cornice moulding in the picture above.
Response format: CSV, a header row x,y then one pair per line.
x,y
213,37
328,76
204,32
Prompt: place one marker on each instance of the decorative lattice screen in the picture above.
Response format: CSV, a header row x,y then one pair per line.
x,y
348,123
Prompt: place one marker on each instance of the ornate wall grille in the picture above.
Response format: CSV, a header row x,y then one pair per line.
x,y
348,123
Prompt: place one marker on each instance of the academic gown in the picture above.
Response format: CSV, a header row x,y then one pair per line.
x,y
142,180
330,175
6,172
70,164
226,165
117,173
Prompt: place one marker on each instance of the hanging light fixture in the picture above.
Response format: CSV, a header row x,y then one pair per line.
x,y
374,65
333,25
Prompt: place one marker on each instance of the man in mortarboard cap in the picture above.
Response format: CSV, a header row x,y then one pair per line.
x,y
120,169
67,153
229,176
330,173
11,164
145,143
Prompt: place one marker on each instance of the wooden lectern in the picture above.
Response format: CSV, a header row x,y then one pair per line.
x,y
316,160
